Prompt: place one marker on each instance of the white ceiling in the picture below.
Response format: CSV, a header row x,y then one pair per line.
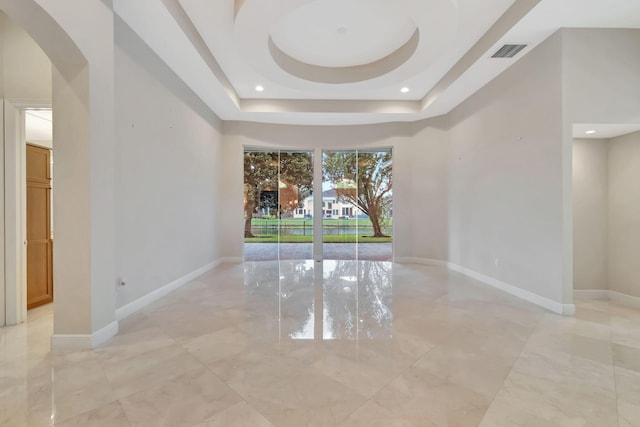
x,y
38,125
345,61
603,130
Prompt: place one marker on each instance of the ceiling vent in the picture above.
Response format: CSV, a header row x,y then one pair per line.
x,y
508,50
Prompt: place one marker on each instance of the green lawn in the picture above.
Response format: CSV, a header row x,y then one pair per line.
x,y
269,232
327,238
299,222
351,238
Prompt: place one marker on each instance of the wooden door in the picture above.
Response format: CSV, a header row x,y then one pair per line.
x,y
39,242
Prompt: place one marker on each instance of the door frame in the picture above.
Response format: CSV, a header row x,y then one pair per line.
x,y
15,208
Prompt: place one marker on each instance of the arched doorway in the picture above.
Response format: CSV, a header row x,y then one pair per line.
x,y
84,308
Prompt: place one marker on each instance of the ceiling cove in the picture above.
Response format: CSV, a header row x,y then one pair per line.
x,y
348,61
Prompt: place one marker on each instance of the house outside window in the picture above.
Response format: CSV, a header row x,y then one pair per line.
x,y
332,208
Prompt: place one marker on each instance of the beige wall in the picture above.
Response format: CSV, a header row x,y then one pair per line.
x,y
590,206
83,133
237,135
119,205
168,161
420,176
427,191
601,84
606,212
71,205
26,69
624,214
601,75
505,190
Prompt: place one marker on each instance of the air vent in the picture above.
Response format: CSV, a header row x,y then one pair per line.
x,y
508,50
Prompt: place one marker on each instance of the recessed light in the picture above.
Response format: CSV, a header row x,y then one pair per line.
x,y
259,88
404,89
589,132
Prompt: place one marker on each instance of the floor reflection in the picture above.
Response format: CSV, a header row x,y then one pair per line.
x,y
330,300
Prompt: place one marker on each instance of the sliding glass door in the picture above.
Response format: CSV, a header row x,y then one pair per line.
x,y
356,197
278,205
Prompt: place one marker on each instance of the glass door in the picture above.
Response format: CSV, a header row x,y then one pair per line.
x,y
340,209
295,189
356,211
357,195
278,205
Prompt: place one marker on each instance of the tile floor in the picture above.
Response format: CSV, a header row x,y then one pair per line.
x,y
339,343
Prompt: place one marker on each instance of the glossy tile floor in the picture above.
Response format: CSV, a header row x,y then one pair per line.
x,y
340,343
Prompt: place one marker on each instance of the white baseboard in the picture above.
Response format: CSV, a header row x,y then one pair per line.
x,y
624,299
84,341
556,307
105,334
130,308
89,341
591,294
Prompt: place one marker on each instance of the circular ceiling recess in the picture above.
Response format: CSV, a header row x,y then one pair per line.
x,y
344,41
343,33
352,74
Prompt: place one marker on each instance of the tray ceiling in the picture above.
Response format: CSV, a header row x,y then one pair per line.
x,y
350,61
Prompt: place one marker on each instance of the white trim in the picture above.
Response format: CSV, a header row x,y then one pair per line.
x,y
133,306
591,294
84,341
556,307
105,334
89,341
14,199
625,299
